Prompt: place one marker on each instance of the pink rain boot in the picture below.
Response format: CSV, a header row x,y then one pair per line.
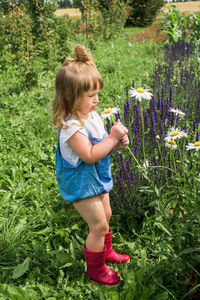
x,y
111,256
97,270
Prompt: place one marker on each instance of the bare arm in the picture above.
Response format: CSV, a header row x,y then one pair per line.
x,y
91,154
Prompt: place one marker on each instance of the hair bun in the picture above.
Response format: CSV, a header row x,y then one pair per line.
x,y
82,54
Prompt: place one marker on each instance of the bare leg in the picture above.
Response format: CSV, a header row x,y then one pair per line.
x,y
107,208
111,255
93,212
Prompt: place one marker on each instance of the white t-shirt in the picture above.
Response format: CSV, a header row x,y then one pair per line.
x,y
94,125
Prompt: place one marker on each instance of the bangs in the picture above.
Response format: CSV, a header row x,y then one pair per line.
x,y
96,83
91,79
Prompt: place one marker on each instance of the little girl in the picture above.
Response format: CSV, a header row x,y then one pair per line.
x,y
82,159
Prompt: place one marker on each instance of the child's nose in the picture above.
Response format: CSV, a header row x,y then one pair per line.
x,y
95,99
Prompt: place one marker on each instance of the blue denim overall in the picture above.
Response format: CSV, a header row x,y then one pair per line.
x,y
83,181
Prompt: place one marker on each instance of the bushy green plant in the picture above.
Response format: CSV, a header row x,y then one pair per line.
x,y
103,22
175,25
143,12
115,15
180,26
15,36
195,25
64,30
26,38
34,8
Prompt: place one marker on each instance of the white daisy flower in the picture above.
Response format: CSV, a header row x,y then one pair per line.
x,y
195,146
107,113
177,111
175,133
140,94
171,144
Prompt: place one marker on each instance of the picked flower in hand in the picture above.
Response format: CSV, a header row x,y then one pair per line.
x,y
140,94
107,113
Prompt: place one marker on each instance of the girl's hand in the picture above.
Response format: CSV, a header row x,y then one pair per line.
x,y
122,143
118,131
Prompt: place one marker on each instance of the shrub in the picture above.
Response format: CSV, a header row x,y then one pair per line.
x,y
144,11
175,25
16,36
180,26
115,14
64,29
102,21
32,40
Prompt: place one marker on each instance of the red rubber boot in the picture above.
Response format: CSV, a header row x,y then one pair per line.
x,y
97,270
111,256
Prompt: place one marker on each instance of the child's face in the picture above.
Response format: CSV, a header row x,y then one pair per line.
x,y
89,102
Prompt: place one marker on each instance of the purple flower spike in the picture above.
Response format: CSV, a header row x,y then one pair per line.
x,y
121,185
124,169
171,95
117,116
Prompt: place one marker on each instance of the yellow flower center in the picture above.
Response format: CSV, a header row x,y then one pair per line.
x,y
197,144
171,142
175,133
140,90
107,111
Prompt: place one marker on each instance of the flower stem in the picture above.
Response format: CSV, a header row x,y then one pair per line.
x,y
183,162
160,152
175,121
143,132
172,160
131,152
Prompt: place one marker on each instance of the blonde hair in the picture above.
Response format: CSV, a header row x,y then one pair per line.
x,y
74,77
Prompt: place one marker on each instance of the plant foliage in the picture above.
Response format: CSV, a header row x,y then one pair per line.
x,y
143,12
179,26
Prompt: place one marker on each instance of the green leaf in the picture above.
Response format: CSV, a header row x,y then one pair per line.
x,y
20,269
189,250
131,246
162,227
